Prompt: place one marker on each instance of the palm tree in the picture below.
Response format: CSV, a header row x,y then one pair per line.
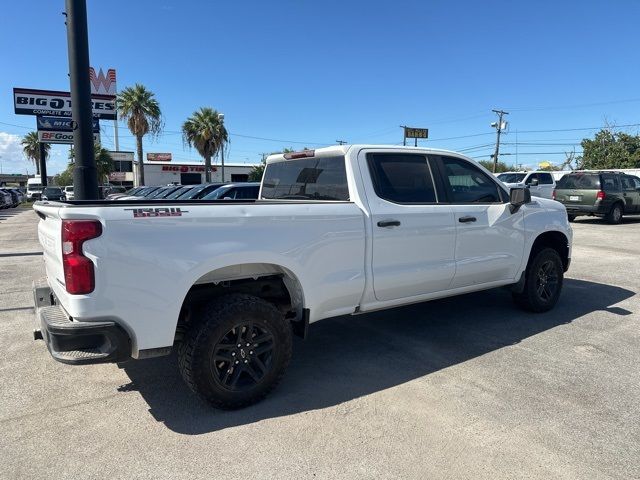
x,y
31,149
205,131
141,110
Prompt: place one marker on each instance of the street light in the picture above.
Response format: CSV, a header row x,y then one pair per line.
x,y
221,118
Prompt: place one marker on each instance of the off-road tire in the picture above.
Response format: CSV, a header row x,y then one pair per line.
x,y
216,321
614,217
531,299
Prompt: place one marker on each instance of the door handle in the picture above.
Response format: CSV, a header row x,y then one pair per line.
x,y
467,219
389,223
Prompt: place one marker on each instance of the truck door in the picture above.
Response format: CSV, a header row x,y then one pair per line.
x,y
490,239
413,235
545,185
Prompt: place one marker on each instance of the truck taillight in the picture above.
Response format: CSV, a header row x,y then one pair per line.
x,y
302,154
601,195
79,277
553,194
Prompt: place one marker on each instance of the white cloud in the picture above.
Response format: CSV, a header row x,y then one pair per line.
x,y
11,156
13,160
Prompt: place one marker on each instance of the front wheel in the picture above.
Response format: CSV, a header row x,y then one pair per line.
x,y
237,353
543,282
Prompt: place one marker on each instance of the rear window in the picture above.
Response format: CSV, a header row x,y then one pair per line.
x,y
322,178
579,181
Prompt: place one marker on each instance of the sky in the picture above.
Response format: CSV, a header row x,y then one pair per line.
x,y
306,74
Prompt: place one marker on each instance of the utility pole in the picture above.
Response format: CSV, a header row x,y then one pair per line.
x,y
43,164
221,119
85,174
341,142
498,126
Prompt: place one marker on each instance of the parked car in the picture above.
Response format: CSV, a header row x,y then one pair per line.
x,y
12,199
200,191
22,197
541,184
179,192
53,194
140,193
5,199
164,192
246,190
34,188
339,230
599,193
125,193
68,192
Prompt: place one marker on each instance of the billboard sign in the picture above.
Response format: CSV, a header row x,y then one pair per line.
x,y
52,136
158,157
53,103
121,156
102,84
118,176
410,132
61,124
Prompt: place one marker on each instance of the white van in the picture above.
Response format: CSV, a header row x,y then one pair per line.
x,y
34,188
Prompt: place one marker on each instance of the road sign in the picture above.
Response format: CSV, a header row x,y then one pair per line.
x,y
52,136
53,103
410,132
61,124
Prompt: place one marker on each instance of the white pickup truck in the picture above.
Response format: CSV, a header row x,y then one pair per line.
x,y
335,231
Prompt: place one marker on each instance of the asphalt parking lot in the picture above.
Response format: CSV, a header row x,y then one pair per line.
x,y
468,387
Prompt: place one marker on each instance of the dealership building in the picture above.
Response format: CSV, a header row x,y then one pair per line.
x,y
163,173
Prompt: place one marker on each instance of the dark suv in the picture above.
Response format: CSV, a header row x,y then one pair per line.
x,y
604,194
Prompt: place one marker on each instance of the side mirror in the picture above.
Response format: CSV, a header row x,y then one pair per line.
x,y
518,197
535,182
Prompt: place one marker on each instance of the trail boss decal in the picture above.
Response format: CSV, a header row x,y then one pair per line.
x,y
156,212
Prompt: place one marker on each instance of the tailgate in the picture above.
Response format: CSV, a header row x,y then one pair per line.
x,y
576,196
50,236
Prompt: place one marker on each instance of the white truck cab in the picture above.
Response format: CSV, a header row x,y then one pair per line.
x,y
341,230
540,183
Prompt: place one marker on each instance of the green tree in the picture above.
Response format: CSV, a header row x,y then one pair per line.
x,y
31,149
65,177
205,131
104,163
610,149
141,110
500,166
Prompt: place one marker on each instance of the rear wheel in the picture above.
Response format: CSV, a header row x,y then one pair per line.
x,y
571,218
614,216
543,282
238,352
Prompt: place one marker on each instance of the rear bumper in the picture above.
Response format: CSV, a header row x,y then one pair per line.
x,y
584,209
73,342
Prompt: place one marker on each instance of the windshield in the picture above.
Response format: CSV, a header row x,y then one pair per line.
x,y
179,192
582,181
36,187
68,189
200,190
511,177
217,193
52,191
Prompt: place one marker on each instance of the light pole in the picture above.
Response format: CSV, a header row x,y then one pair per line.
x,y
221,118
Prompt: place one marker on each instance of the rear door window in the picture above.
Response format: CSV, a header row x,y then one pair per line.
x,y
315,178
545,179
610,182
402,178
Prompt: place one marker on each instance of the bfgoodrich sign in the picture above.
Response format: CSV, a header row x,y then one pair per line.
x,y
58,104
